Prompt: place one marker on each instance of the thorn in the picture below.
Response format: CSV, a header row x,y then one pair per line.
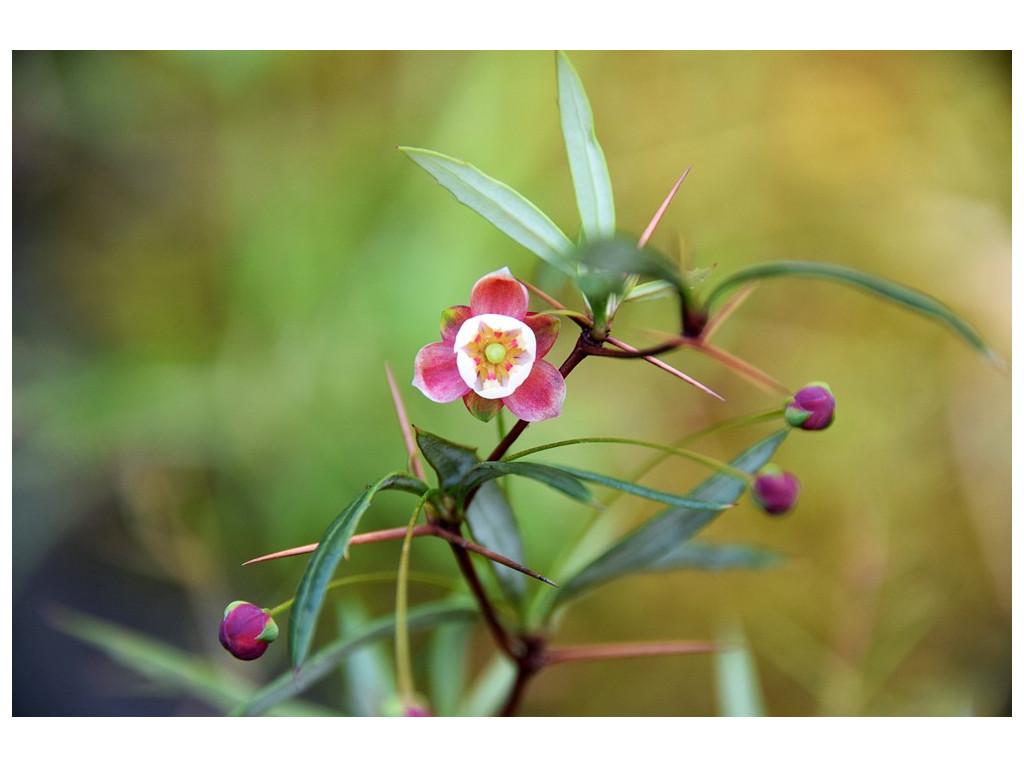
x,y
403,422
661,211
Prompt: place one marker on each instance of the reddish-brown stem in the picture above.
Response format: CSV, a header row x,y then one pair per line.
x,y
579,352
506,642
523,651
456,540
598,351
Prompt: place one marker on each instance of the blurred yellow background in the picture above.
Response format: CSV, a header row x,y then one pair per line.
x,y
215,254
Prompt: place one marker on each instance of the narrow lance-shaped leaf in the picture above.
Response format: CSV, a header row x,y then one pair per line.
x,y
589,170
333,546
167,667
643,547
555,477
690,501
886,289
494,526
706,556
739,690
501,205
326,660
447,666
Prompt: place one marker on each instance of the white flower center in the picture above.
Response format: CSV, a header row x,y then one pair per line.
x,y
494,354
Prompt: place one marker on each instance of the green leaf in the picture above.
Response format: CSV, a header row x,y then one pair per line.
x,y
609,268
368,671
168,666
494,526
333,546
590,176
501,205
739,690
674,526
619,256
490,688
687,502
327,659
889,290
705,556
447,666
555,477
450,460
655,289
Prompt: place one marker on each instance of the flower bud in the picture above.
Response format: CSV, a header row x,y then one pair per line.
x,y
775,491
247,630
396,706
813,407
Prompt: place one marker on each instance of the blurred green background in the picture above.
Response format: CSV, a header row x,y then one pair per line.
x,y
215,254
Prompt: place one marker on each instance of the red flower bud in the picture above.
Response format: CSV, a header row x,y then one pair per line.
x,y
813,407
775,491
247,630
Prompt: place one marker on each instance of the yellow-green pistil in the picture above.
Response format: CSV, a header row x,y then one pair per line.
x,y
495,353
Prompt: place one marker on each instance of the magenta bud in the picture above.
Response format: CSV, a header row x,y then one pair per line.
x,y
775,491
247,630
397,707
813,407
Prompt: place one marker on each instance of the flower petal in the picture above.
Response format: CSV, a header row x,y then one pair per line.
x,y
481,407
499,294
436,374
545,328
493,380
452,319
539,397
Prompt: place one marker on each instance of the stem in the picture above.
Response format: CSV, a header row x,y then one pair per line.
x,y
501,637
668,346
515,696
529,663
579,352
524,651
455,539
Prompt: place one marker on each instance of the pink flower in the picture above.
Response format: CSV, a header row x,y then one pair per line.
x,y
491,354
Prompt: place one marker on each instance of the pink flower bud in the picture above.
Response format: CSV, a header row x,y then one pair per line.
x,y
247,630
775,491
812,408
396,706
